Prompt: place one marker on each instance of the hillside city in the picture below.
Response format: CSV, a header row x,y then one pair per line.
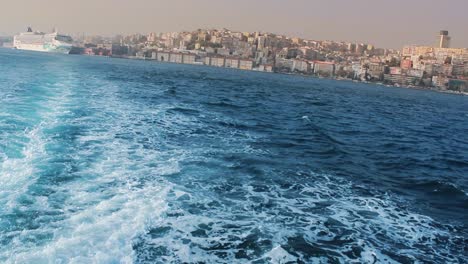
x,y
437,67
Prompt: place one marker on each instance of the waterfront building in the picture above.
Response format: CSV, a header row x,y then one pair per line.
x,y
376,70
119,50
164,56
268,67
217,61
88,51
176,57
207,60
324,68
189,58
232,63
301,66
402,79
458,85
245,64
357,69
440,82
282,64
139,55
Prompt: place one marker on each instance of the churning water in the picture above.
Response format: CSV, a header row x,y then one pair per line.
x,y
118,161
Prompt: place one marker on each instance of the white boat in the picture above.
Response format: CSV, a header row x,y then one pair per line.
x,y
45,42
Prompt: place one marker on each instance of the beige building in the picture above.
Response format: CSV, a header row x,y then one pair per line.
x,y
163,56
245,64
217,61
268,67
176,57
301,66
322,67
376,69
189,59
232,63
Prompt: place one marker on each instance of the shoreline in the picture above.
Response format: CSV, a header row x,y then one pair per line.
x,y
423,88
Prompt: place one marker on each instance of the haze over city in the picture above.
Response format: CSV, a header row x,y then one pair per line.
x,y
388,24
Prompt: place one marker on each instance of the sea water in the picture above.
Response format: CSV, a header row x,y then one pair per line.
x,y
117,161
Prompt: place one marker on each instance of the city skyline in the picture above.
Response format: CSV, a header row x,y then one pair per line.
x,y
388,26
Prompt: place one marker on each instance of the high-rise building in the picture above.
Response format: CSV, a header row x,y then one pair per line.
x,y
443,39
261,42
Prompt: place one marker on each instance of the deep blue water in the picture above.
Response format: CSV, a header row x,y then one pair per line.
x,y
118,161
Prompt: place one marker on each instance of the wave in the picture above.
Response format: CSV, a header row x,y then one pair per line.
x,y
147,169
322,219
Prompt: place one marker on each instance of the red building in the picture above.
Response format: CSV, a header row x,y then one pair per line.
x,y
406,64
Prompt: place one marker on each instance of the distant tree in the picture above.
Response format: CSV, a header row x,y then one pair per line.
x,y
142,39
393,63
341,72
215,45
191,45
448,60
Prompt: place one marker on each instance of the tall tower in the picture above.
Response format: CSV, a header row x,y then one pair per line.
x,y
443,39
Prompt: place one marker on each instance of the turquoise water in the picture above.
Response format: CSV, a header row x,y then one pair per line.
x,y
117,161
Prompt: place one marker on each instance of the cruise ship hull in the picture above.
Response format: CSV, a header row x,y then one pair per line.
x,y
37,41
64,49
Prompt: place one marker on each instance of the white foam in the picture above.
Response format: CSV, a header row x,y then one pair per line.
x,y
17,174
113,200
280,256
102,233
290,218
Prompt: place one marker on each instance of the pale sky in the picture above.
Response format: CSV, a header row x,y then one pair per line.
x,y
388,24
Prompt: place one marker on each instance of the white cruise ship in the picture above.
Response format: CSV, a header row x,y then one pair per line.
x,y
38,41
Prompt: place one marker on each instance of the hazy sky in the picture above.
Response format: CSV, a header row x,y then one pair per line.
x,y
391,23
